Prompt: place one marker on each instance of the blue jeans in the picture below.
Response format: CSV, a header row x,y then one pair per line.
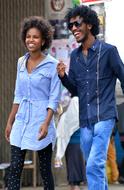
x,y
94,141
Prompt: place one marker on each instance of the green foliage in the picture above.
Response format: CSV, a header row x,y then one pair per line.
x,y
75,2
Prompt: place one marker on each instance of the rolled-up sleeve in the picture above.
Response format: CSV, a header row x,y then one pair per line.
x,y
55,90
17,92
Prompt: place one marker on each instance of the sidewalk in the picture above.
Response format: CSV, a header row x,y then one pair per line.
x,y
111,187
65,187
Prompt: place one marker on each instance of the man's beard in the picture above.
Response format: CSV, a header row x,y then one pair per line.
x,y
83,39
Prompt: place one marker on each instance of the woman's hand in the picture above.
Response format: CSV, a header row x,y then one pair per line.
x,y
8,131
43,131
44,127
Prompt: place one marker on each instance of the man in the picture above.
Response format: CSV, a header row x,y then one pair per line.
x,y
94,68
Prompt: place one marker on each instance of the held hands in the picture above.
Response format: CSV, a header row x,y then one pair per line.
x,y
61,69
43,131
8,131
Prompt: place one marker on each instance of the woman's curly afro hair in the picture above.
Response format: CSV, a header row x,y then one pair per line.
x,y
42,25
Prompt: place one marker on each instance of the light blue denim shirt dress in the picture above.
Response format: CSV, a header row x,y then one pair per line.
x,y
35,92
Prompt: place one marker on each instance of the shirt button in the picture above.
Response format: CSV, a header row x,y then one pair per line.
x,y
88,104
87,82
87,70
87,93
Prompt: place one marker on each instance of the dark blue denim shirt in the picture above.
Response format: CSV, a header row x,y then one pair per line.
x,y
94,81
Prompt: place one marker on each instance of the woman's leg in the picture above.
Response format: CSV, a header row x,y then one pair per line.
x,y
45,156
16,166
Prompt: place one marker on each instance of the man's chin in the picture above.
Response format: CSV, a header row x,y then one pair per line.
x,y
79,40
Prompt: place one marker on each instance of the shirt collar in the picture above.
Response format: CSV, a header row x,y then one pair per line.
x,y
23,61
47,59
94,46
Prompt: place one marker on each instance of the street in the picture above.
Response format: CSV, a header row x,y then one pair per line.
x,y
64,187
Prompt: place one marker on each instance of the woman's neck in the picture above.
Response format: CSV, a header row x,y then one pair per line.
x,y
34,56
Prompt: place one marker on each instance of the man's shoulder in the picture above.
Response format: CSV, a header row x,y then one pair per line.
x,y
107,46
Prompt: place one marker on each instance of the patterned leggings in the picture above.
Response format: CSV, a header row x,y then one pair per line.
x,y
17,163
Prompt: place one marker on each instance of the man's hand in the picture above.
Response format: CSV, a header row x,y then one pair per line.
x,y
61,69
8,131
43,131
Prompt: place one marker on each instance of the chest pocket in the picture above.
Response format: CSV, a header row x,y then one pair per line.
x,y
41,79
44,75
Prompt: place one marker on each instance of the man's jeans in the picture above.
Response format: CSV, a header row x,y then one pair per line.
x,y
94,141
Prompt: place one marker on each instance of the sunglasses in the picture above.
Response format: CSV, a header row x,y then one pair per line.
x,y
77,24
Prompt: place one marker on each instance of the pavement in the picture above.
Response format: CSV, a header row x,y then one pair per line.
x,y
65,187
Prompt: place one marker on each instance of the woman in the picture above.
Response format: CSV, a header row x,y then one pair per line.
x,y
30,124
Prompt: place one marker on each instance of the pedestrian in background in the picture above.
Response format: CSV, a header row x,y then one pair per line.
x,y
112,162
94,69
30,125
68,144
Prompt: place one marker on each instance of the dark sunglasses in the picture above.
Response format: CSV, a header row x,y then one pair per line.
x,y
77,24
